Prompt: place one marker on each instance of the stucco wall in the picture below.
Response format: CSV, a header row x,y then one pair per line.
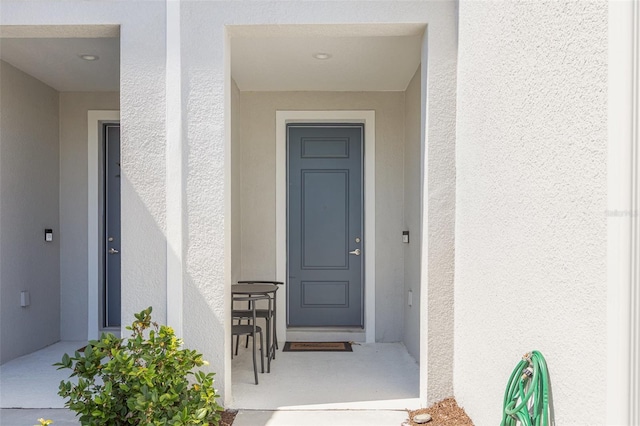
x,y
236,179
143,156
531,199
73,206
438,113
258,134
412,207
29,181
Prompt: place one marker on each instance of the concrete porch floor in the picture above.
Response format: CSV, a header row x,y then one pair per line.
x,y
374,384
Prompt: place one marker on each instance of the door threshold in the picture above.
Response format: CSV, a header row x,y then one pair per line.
x,y
335,334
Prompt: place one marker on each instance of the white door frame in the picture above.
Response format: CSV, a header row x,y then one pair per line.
x,y
94,215
367,118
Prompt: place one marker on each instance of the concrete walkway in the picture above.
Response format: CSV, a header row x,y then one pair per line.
x,y
321,418
63,417
373,385
30,416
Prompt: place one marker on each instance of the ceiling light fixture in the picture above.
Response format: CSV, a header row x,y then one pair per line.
x,y
322,56
87,57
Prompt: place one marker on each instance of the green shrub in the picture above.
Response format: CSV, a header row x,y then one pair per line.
x,y
143,380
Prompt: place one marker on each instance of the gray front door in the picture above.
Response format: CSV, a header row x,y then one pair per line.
x,y
112,225
324,231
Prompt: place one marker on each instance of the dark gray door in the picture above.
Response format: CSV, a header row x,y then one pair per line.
x,y
324,233
112,225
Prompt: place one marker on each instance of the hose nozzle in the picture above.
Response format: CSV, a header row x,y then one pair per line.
x,y
527,373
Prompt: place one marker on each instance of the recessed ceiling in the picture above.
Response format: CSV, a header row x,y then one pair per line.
x,y
57,63
356,63
263,58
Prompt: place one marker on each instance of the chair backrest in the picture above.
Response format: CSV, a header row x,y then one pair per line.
x,y
252,305
247,298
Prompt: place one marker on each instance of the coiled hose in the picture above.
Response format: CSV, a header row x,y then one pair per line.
x,y
526,398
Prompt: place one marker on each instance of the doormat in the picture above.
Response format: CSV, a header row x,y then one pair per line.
x,y
317,347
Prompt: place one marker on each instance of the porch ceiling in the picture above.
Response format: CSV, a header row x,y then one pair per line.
x,y
56,61
356,63
362,57
380,57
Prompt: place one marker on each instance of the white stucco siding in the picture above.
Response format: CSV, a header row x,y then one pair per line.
x,y
29,181
143,136
438,204
236,179
530,207
206,262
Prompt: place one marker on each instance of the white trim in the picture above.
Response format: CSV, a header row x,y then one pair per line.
x,y
94,117
634,303
173,164
368,119
622,216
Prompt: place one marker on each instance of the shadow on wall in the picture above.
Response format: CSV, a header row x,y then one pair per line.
x,y
144,281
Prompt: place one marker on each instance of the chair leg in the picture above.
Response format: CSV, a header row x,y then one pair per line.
x,y
275,338
246,343
255,367
261,351
269,348
237,343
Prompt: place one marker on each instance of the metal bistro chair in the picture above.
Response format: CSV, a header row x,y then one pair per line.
x,y
269,315
250,330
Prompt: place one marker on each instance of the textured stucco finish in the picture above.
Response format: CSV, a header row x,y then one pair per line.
x,y
29,181
73,206
143,159
206,291
258,136
438,207
236,179
531,196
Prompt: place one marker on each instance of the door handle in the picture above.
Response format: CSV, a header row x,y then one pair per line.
x,y
113,251
356,252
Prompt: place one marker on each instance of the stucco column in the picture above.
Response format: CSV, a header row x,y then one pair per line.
x,y
439,59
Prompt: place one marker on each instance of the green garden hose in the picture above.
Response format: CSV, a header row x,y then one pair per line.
x,y
526,398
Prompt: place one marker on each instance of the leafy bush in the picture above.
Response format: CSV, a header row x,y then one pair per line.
x,y
143,380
